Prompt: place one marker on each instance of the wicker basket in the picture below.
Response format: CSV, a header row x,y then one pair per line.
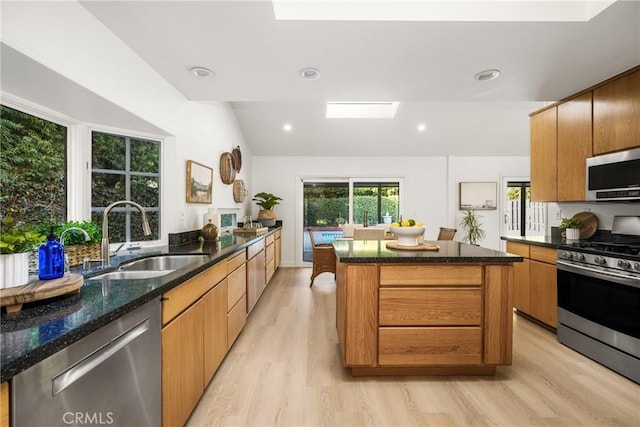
x,y
77,253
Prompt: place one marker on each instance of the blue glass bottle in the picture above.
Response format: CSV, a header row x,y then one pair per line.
x,y
51,259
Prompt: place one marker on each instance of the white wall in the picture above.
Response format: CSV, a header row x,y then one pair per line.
x,y
66,38
431,188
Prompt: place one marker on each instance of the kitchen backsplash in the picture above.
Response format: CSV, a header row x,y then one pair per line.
x,y
603,211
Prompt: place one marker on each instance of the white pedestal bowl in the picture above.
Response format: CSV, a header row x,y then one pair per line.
x,y
407,236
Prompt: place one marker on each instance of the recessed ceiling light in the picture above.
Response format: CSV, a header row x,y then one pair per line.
x,y
202,73
361,110
485,75
287,127
422,127
310,73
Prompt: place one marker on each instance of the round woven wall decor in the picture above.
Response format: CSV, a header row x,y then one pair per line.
x,y
237,158
227,172
239,191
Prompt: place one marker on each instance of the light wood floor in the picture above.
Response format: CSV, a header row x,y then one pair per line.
x,y
285,369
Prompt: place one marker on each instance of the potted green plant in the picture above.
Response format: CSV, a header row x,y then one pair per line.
x,y
571,227
16,244
471,224
266,201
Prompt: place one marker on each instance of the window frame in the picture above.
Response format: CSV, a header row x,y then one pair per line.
x,y
128,134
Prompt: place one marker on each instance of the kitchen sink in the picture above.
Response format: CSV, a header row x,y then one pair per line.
x,y
129,275
161,264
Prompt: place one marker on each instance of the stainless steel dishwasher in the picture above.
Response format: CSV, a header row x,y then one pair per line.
x,y
111,377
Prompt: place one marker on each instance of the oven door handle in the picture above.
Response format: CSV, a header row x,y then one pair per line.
x,y
591,272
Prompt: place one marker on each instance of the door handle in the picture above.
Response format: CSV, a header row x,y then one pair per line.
x,y
86,365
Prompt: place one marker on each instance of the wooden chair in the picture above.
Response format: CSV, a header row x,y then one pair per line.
x,y
324,258
446,233
368,233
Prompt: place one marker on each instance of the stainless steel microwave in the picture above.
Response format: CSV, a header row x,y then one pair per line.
x,y
614,177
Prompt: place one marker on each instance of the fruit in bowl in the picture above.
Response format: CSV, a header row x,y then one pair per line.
x,y
408,234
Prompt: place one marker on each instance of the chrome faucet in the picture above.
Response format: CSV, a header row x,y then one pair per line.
x,y
104,246
64,233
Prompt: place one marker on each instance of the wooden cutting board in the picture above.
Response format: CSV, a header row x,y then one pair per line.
x,y
420,247
13,298
589,224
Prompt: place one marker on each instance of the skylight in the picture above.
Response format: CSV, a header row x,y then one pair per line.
x,y
361,110
440,10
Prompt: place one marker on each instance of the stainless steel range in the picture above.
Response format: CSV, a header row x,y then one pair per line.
x,y
599,297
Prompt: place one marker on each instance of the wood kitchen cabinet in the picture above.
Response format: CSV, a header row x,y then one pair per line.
x,y
535,282
575,145
236,296
424,319
270,262
255,273
544,155
214,328
4,405
194,340
182,365
278,248
616,114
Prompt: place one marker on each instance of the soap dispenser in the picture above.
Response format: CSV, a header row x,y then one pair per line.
x,y
51,259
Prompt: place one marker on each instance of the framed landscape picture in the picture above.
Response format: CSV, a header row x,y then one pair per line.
x,y
199,183
478,195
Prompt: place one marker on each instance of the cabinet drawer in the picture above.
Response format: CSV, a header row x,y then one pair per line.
x,y
429,346
236,286
430,307
270,269
547,255
268,240
236,318
236,261
277,233
270,251
431,275
178,299
518,249
254,249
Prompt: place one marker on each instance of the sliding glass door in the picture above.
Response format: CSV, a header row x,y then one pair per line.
x,y
328,204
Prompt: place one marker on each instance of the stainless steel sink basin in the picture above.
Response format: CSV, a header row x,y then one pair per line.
x,y
128,275
163,263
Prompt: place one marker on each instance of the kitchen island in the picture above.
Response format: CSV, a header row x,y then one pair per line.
x,y
441,312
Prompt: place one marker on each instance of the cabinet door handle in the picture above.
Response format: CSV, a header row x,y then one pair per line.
x,y
96,358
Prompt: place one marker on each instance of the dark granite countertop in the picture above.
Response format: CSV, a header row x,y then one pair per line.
x,y
552,241
45,327
360,251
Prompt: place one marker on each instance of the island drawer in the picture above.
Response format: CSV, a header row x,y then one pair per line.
x,y
429,346
431,275
430,306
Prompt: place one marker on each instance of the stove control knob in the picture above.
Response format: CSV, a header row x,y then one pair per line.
x,y
636,266
600,260
579,257
567,255
624,264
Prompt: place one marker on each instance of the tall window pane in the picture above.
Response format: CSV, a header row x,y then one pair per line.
x,y
375,198
33,179
126,168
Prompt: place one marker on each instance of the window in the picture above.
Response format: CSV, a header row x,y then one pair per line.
x,y
522,216
376,198
125,168
33,178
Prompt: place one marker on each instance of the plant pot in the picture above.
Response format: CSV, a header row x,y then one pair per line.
x,y
572,234
266,214
14,270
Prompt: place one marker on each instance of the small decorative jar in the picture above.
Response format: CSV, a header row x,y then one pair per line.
x,y
209,232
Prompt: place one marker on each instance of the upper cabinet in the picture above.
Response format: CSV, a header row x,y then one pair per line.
x,y
616,114
601,120
574,147
544,155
